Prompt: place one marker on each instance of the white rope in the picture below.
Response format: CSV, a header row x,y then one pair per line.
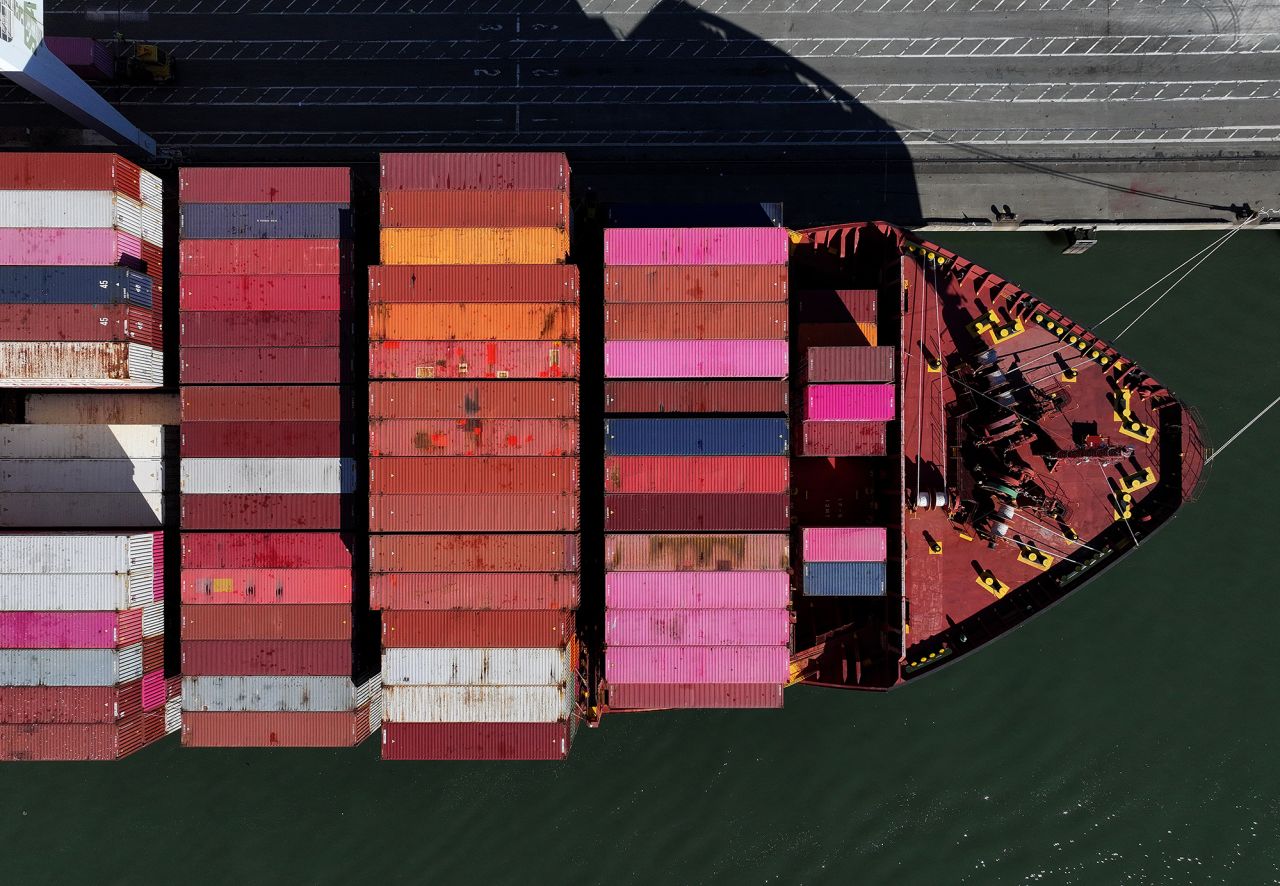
x,y
1237,434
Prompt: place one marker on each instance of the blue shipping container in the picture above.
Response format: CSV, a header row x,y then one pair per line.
x,y
73,285
265,221
844,579
696,436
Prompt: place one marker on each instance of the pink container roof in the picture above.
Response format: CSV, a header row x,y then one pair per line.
x,y
697,664
863,544
697,590
66,246
695,359
850,403
696,246
697,627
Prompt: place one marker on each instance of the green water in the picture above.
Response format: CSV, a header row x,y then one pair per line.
x,y
1128,736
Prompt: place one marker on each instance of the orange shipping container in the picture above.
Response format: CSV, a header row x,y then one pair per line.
x,y
454,552
725,320
474,321
475,209
473,399
474,246
473,475
489,512
481,629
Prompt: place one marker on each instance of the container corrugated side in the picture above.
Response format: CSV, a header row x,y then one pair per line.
x,y
829,438
655,696
474,437
451,284
695,322
474,209
83,323
696,246
90,285
79,553
285,550
70,630
686,284
267,403
70,667
850,402
81,510
455,552
476,741
70,209
483,474
247,184
86,57
743,395
258,476
69,704
838,305
476,667
476,630
489,171
64,741
296,621
303,658
474,320
664,552
696,436
848,544
857,364
258,257
74,593
82,475
106,408
698,512
473,590
697,627
845,580
267,439
266,585
286,512
264,221
477,704
259,693
473,359
489,512
275,729
476,246
689,473
67,246
80,364
719,358
697,664
474,399
742,589
81,441
75,170
249,292
262,329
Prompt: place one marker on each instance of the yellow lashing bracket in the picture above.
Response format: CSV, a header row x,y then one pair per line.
x,y
1034,557
1131,427
1121,506
994,586
994,327
1137,480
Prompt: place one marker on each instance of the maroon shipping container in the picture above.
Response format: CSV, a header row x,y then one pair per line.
x,y
692,322
837,305
60,322
74,741
260,329
452,436
696,396
296,621
70,704
74,171
291,512
475,741
475,209
234,366
476,630
264,403
492,171
473,359
697,283
851,364
474,553
152,654
832,335
266,439
264,257
275,729
257,550
273,184
485,474
494,512
473,399
835,438
301,658
658,696
697,511
474,590
417,284
283,292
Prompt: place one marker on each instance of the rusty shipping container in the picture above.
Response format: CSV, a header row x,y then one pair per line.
x,y
659,696
70,704
489,512
260,257
84,323
281,292
683,473
80,364
685,284
474,320
278,729
474,246
455,552
266,439
836,438
851,364
475,630
489,171
265,403
102,408
474,437
722,320
75,741
667,552
473,359
278,366
303,658
474,209
476,741
286,512
474,590
451,284
285,550
699,512
299,621
260,329
473,399
268,184
696,396
484,474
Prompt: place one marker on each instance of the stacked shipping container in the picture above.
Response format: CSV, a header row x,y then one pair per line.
x,y
81,239
473,479
268,461
846,562
697,506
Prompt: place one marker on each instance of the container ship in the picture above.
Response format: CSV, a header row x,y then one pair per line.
x,y
582,459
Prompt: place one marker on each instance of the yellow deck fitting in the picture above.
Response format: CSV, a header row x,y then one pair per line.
x,y
1006,332
1137,480
966,536
935,547
983,324
933,364
1131,427
1069,376
1120,407
1070,534
1122,506
994,586
1034,557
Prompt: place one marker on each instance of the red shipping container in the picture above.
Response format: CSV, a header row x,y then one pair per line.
x,y
153,266
495,512
474,590
264,257
475,741
69,171
409,476
221,585
490,171
73,741
419,284
700,512
275,729
300,621
837,305
284,292
475,209
60,322
474,553
249,365
260,329
476,630
152,654
836,438
301,658
291,512
722,320
684,284
450,436
282,550
696,396
265,403
692,473
266,439
473,359
473,399
664,696
70,704
268,184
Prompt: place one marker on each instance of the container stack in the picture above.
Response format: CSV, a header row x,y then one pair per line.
x,y
473,478
697,479
845,562
81,242
82,647
268,461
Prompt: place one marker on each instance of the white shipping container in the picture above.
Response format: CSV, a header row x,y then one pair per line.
x,y
70,209
152,190
269,694
152,224
70,667
261,476
369,690
476,704
60,364
81,441
475,667
153,619
81,475
76,553
172,716
20,510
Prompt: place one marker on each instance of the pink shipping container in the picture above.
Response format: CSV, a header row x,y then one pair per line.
x,y
863,544
473,590
697,627
70,630
495,171
836,438
697,590
696,246
697,664
473,359
850,403
267,184
493,436
67,246
281,292
658,696
738,358
224,585
691,473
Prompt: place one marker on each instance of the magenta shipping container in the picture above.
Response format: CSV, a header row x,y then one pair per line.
x,y
862,544
697,664
737,358
696,246
70,630
849,403
697,627
697,590
66,246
